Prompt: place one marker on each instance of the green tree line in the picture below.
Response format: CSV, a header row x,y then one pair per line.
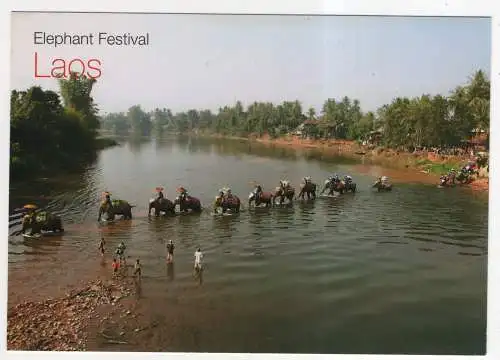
x,y
48,131
428,120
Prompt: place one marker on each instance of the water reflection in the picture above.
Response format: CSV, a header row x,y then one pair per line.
x,y
170,271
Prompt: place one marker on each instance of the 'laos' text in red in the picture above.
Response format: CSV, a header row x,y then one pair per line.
x,y
58,67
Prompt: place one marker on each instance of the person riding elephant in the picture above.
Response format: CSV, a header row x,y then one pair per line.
x,y
350,185
307,187
285,191
258,197
161,204
227,201
186,201
114,207
159,195
183,194
333,183
107,200
382,183
43,221
229,194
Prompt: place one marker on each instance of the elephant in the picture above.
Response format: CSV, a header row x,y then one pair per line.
x,y
307,188
188,203
382,185
284,191
349,185
447,180
258,197
465,176
333,185
41,221
117,207
232,203
161,205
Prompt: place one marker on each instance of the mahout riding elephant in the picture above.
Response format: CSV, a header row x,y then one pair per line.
x,y
307,187
227,201
448,179
349,184
382,184
187,203
465,176
258,197
115,207
333,183
161,205
284,191
41,221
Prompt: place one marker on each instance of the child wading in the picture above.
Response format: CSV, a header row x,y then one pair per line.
x,y
120,251
101,246
137,268
116,266
170,251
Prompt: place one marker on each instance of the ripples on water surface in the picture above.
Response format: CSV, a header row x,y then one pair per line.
x,y
400,272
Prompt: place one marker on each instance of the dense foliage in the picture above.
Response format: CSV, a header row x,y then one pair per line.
x,y
427,120
47,135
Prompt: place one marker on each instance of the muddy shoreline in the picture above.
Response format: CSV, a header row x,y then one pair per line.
x,y
96,314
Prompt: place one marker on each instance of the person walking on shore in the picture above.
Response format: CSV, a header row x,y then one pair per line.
x,y
101,246
170,251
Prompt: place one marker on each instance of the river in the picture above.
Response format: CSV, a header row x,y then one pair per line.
x,y
399,272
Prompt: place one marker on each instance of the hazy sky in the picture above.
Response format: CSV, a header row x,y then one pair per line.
x,y
207,61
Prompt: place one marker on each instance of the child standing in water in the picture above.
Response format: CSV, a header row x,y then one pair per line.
x,y
101,246
170,251
137,267
116,266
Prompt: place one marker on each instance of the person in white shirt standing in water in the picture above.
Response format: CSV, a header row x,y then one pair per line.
x,y
198,255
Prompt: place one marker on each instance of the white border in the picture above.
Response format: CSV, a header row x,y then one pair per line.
x,y
331,7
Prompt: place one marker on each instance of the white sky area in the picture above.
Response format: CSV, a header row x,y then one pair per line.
x,y
208,61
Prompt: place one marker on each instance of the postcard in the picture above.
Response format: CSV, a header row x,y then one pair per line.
x,y
296,184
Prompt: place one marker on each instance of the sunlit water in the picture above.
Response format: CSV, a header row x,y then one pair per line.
x,y
399,272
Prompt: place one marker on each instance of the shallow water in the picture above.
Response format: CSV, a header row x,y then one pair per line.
x,y
399,272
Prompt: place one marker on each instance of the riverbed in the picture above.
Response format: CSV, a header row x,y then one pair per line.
x,y
398,272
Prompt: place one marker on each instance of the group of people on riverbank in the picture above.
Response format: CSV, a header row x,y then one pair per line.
x,y
119,258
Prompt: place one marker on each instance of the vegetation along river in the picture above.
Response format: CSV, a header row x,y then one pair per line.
x,y
396,272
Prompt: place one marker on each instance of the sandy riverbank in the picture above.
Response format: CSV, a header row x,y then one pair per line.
x,y
424,167
98,312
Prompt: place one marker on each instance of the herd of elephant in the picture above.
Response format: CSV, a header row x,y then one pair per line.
x,y
226,201
44,221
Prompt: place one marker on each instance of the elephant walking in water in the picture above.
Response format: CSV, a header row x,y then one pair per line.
x,y
307,188
258,197
115,207
41,221
188,203
284,191
333,184
161,205
448,179
227,201
382,184
349,184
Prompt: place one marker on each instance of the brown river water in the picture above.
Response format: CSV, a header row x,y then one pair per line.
x,y
398,272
